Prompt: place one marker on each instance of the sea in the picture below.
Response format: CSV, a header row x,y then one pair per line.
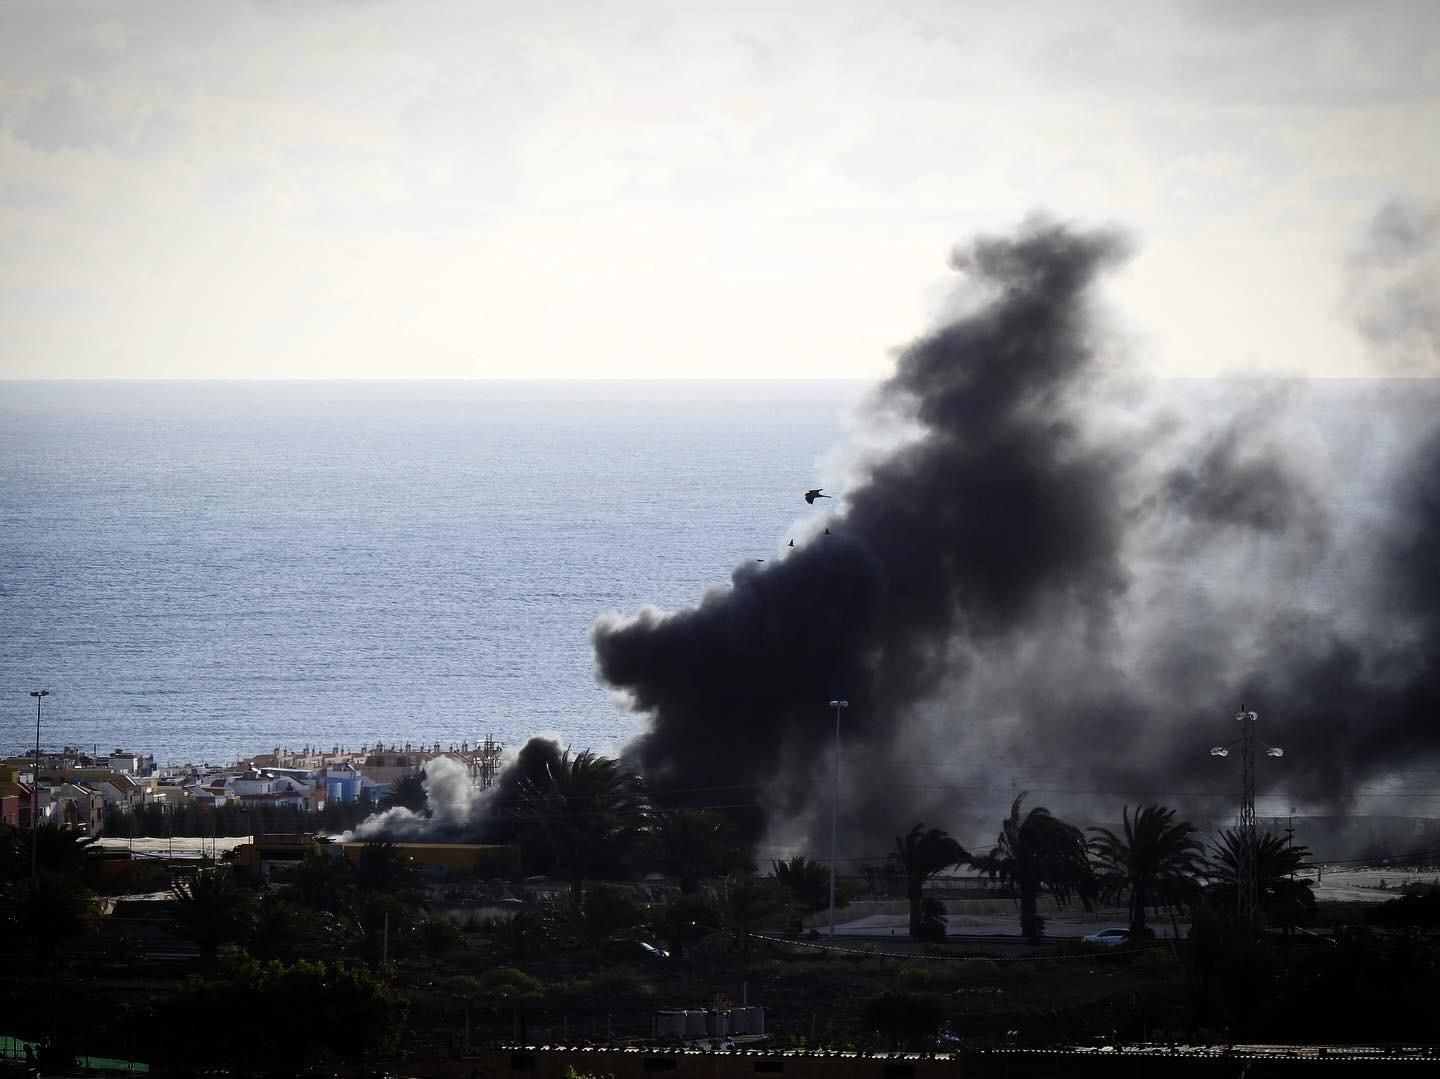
x,y
208,570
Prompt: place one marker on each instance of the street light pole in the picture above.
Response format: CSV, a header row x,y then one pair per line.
x,y
1247,886
39,695
838,705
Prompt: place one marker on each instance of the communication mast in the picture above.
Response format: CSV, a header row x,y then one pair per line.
x,y
1247,884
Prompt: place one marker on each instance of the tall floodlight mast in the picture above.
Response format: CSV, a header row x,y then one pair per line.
x,y
1247,884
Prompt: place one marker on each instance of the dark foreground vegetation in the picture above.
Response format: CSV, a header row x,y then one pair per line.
x,y
344,962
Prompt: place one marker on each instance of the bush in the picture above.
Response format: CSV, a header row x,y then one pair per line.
x,y
350,1014
932,921
912,979
509,983
439,937
906,1020
621,986
1417,910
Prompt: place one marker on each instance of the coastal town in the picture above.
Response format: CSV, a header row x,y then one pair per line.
x,y
81,790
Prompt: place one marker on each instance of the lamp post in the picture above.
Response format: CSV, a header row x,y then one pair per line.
x,y
839,705
39,695
1247,887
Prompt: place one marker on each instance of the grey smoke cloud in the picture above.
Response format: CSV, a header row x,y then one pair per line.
x,y
1393,278
456,809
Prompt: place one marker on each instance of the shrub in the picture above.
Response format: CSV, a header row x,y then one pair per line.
x,y
440,936
507,982
906,1020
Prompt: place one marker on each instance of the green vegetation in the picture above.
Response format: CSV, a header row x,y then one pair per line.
x,y
350,1014
1040,853
1156,864
584,811
1285,898
160,820
374,956
919,855
694,846
212,908
807,882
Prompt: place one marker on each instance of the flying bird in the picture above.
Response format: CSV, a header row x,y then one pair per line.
x,y
827,531
792,543
811,496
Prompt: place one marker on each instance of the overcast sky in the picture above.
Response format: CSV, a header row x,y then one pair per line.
x,y
698,189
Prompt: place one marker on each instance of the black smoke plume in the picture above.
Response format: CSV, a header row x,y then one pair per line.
x,y
996,515
1055,576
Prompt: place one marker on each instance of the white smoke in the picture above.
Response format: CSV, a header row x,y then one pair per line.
x,y
455,804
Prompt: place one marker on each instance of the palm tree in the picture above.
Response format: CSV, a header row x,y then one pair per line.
x,y
382,868
920,854
407,792
1283,895
211,908
807,881
583,809
693,844
1157,864
1040,853
58,851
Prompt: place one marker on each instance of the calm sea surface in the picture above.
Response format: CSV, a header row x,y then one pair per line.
x,y
207,570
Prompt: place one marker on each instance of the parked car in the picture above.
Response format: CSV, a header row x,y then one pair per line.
x,y
1110,937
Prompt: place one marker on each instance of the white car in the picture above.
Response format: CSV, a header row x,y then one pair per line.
x,y
1111,937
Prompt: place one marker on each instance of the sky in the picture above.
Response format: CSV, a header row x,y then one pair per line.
x,y
438,189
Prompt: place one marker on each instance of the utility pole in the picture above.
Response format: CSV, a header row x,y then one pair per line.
x,y
1247,887
839,705
39,695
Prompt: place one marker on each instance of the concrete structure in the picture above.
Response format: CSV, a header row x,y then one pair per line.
x,y
12,793
131,764
77,806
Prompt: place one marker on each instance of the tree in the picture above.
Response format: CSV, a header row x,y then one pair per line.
x,y
383,868
919,855
1283,896
407,792
744,904
320,880
55,908
585,810
684,920
807,881
693,845
58,851
1040,853
281,929
211,909
350,1014
1156,864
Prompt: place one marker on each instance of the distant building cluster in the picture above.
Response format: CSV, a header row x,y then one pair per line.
x,y
76,790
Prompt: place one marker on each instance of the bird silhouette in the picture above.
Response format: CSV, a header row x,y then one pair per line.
x,y
827,532
792,543
811,496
